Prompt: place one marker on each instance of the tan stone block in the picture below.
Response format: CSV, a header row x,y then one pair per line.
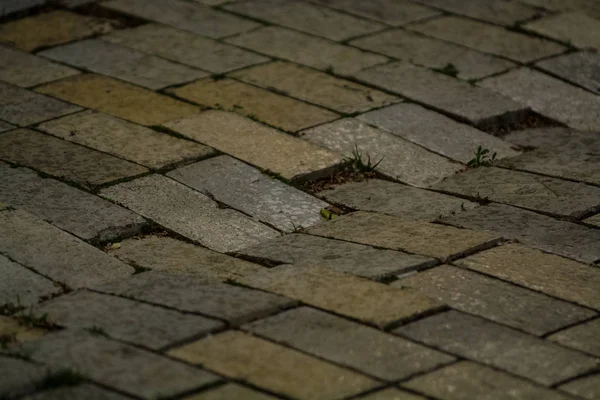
x,y
15,332
595,220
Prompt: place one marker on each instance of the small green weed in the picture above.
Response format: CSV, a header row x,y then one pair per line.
x,y
481,157
360,163
449,69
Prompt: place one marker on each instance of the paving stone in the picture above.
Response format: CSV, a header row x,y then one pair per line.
x,y
307,50
230,303
350,344
395,199
433,53
119,99
274,109
595,220
489,38
578,68
584,337
120,366
499,346
558,139
478,106
244,188
26,70
400,159
344,294
11,327
125,139
306,17
256,144
389,12
22,286
5,126
50,29
575,28
188,16
22,107
587,387
436,132
77,392
80,213
185,48
391,394
54,253
124,319
443,242
337,255
230,391
19,376
495,11
550,97
466,380
525,190
562,5
315,87
495,300
123,63
12,6
189,213
63,159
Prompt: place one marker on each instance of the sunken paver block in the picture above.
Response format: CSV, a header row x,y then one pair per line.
x,y
26,70
587,387
547,273
21,333
489,38
54,253
272,366
123,63
400,159
557,139
185,48
550,97
526,190
436,132
467,380
189,213
575,28
584,337
230,391
118,98
307,50
19,376
495,11
188,16
554,236
499,346
350,344
125,139
77,392
578,68
315,87
395,199
389,12
124,319
344,294
391,394
495,300
20,285
50,29
477,105
433,53
272,108
337,255
23,107
256,144
306,17
230,303
117,365
12,6
418,237
244,188
595,220
64,159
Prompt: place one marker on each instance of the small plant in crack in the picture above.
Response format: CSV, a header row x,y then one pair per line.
x,y
360,162
35,321
481,157
449,69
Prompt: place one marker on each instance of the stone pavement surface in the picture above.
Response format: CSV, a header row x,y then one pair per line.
x,y
300,199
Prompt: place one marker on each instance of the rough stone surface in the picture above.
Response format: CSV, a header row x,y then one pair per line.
x,y
495,300
119,99
578,68
315,87
391,394
337,255
489,38
344,294
54,253
436,132
550,97
18,376
21,333
584,337
595,220
554,236
244,188
495,11
350,344
575,28
256,144
63,159
499,346
557,139
82,391
418,237
477,105
587,387
400,159
390,12
27,70
272,108
125,139
230,391
189,213
230,303
307,50
20,285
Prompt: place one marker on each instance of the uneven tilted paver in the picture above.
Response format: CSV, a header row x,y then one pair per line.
x,y
574,28
578,68
585,337
495,11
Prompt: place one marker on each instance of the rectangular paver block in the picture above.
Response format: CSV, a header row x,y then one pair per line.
x,y
584,337
21,286
495,11
578,68
558,139
587,387
575,28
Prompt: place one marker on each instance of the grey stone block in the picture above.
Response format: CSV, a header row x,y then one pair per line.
x,y
578,68
19,376
558,139
21,286
82,391
587,387
576,28
584,337
495,11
